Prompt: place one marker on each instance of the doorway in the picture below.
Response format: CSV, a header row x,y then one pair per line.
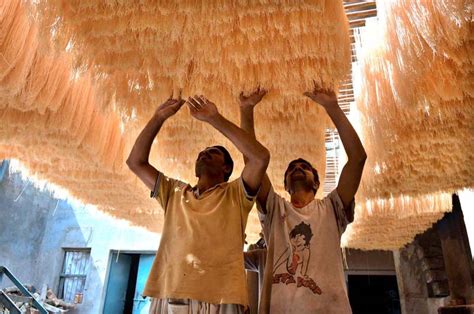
x,y
373,294
127,275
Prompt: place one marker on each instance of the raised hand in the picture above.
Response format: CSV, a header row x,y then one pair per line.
x,y
254,98
169,107
202,108
324,97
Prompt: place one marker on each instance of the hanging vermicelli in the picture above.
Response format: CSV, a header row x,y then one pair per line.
x,y
417,116
79,79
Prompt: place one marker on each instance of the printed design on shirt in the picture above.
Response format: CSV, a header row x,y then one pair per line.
x,y
295,262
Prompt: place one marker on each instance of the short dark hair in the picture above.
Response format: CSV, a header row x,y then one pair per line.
x,y
303,229
227,160
315,172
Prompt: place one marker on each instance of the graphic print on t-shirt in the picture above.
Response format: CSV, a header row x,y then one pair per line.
x,y
294,263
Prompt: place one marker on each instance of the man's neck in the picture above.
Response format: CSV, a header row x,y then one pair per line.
x,y
301,196
206,182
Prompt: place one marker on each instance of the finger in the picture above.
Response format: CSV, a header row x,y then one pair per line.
x,y
208,102
168,102
329,89
202,100
189,103
180,103
317,87
192,109
180,93
323,91
241,95
194,103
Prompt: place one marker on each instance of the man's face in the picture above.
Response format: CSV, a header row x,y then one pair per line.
x,y
210,159
299,172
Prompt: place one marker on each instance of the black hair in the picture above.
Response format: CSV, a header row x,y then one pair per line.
x,y
315,172
227,160
303,229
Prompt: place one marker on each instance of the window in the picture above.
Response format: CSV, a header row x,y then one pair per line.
x,y
332,160
72,280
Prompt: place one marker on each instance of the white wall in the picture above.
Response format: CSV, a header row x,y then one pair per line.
x,y
467,204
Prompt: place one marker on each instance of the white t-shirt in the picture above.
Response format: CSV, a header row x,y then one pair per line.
x,y
304,270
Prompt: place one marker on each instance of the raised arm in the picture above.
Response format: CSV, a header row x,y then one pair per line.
x,y
257,155
247,105
352,171
138,159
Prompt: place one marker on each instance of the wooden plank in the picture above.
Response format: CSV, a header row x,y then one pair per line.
x,y
360,6
457,254
358,15
357,23
346,2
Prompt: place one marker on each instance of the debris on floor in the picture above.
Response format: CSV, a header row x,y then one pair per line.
x,y
47,298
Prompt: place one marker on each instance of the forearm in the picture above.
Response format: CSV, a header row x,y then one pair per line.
x,y
245,142
247,123
350,139
247,120
141,149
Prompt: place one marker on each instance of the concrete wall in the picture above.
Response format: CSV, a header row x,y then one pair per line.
x,y
35,227
412,288
371,262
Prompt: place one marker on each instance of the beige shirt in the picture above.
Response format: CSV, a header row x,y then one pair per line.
x,y
200,254
304,271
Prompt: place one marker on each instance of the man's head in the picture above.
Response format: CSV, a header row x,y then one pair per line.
x,y
300,171
215,160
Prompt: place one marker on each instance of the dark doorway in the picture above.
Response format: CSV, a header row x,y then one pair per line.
x,y
127,277
373,294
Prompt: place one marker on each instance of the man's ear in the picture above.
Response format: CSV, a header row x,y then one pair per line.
x,y
315,187
226,169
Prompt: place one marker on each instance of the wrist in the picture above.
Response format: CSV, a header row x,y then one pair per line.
x,y
214,118
331,105
247,108
159,118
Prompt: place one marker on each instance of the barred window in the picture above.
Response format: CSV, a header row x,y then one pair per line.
x,y
72,280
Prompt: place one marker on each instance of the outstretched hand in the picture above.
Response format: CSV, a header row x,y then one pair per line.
x,y
202,108
324,97
254,98
169,107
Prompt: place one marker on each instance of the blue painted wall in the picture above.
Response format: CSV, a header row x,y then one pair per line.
x,y
35,227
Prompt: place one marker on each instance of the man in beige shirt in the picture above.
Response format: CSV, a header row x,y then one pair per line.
x,y
199,264
303,270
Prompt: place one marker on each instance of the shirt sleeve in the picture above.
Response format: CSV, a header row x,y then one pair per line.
x,y
164,188
245,199
333,200
275,203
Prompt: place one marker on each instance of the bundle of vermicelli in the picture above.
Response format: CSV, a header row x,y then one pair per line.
x,y
79,79
417,114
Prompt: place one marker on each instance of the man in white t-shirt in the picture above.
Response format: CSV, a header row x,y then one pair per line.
x,y
304,271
